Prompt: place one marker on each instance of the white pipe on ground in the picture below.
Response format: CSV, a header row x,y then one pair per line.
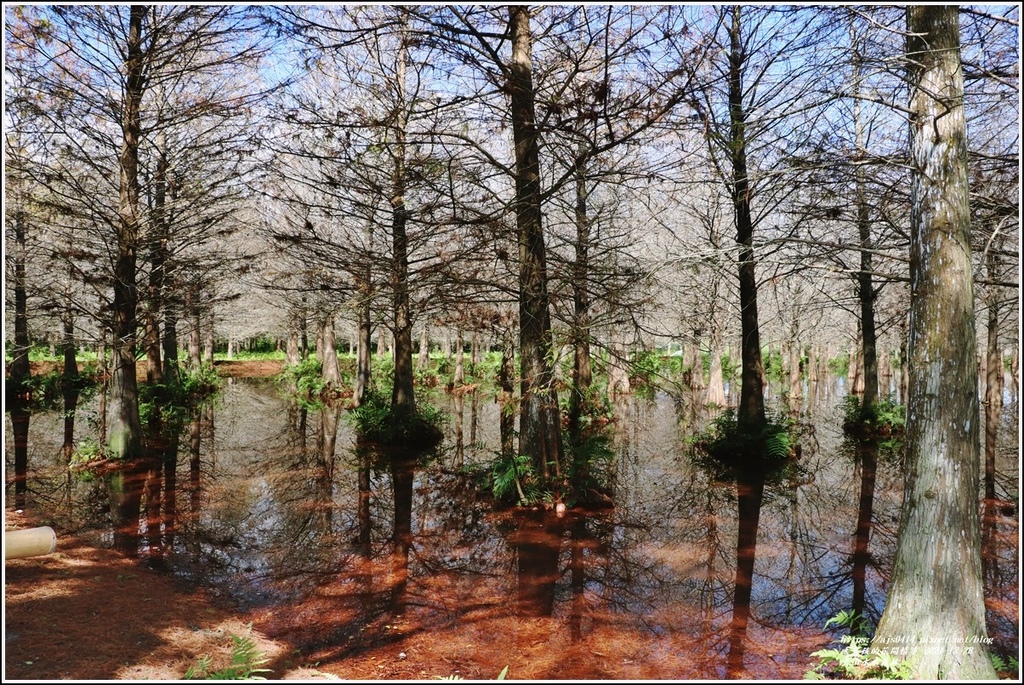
x,y
30,542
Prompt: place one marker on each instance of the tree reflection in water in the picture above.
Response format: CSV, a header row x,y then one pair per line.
x,y
749,496
280,511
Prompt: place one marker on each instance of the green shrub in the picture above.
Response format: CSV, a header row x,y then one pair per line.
x,y
726,447
856,661
47,389
177,399
41,353
645,367
839,365
376,422
886,418
591,453
88,453
382,373
773,369
306,379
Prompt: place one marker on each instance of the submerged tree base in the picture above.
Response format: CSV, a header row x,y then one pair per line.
x,y
727,449
396,431
882,420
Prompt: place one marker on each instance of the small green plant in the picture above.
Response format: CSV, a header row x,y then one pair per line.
x,y
1006,668
856,661
514,479
501,676
246,660
87,456
590,449
855,622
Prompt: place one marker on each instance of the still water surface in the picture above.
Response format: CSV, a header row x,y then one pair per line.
x,y
685,578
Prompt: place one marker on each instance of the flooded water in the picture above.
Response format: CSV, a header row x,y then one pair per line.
x,y
275,509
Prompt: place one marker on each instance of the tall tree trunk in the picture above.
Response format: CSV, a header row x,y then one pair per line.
x,y
854,371
403,399
291,353
904,371
812,367
69,387
618,371
17,392
937,590
319,344
1015,375
751,407
694,362
170,343
868,357
208,340
884,374
155,298
474,352
459,402
459,377
993,379
582,374
124,431
715,392
539,431
101,402
865,284
424,356
195,338
506,395
795,393
303,330
330,370
364,354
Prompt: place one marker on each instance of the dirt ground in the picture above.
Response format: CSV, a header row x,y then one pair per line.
x,y
84,613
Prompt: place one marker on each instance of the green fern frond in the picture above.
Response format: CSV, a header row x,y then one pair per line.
x,y
246,658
